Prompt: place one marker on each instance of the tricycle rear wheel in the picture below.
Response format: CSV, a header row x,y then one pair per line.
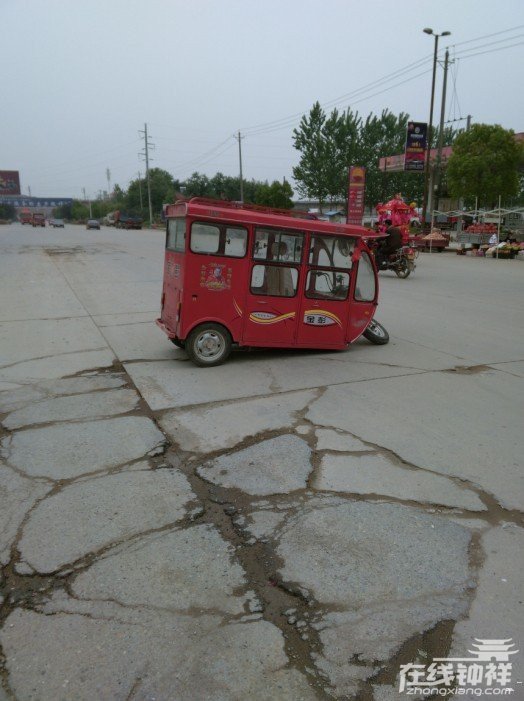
x,y
208,345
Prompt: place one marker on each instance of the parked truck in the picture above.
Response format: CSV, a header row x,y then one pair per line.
x,y
38,219
120,220
25,216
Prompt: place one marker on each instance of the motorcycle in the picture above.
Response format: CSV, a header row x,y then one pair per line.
x,y
402,262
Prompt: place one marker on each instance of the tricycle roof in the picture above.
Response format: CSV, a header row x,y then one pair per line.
x,y
205,208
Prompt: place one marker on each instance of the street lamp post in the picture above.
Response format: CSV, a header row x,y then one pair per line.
x,y
427,30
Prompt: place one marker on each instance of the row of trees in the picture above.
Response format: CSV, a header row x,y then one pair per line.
x,y
486,162
164,188
328,145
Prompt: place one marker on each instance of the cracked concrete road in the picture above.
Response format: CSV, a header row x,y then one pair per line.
x,y
291,525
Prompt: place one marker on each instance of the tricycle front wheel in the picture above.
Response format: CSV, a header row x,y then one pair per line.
x,y
208,345
376,333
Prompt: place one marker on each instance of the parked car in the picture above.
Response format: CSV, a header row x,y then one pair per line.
x,y
57,223
93,224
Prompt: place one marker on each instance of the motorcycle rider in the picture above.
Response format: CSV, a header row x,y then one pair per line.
x,y
390,244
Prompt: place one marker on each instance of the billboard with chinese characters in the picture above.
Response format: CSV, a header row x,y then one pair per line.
x,y
416,143
396,163
356,192
9,182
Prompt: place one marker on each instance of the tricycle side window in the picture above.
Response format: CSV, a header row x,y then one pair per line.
x,y
327,284
278,246
331,251
218,239
176,235
274,280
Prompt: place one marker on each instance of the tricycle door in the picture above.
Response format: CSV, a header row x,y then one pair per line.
x,y
272,299
324,313
214,284
364,292
174,269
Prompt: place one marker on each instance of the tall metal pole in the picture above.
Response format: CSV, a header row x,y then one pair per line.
x,y
441,127
430,135
108,173
240,162
147,177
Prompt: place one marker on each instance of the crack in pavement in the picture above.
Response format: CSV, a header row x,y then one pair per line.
x,y
220,508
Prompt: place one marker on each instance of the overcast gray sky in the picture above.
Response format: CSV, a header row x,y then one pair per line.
x,y
80,78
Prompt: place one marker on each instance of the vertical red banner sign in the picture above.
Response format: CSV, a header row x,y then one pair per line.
x,y
356,191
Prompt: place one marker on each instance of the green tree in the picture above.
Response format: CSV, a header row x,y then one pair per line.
x,y
7,211
312,173
485,164
163,188
198,185
63,212
385,135
118,194
275,195
79,211
330,145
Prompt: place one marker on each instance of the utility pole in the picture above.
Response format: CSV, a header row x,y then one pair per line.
x,y
427,190
29,190
89,202
441,129
145,155
468,122
108,174
140,190
240,162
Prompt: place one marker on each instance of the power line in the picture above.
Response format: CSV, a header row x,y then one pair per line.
x,y
491,51
369,86
215,155
487,36
491,43
354,102
196,161
395,74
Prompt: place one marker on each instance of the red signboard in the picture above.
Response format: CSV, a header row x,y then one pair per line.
x,y
357,187
396,163
9,182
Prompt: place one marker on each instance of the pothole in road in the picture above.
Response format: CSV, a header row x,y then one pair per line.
x,y
469,369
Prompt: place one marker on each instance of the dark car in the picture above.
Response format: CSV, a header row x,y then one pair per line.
x,y
57,223
93,224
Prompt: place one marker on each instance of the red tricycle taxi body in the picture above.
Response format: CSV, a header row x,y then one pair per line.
x,y
252,276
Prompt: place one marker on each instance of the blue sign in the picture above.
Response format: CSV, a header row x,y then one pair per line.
x,y
21,201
